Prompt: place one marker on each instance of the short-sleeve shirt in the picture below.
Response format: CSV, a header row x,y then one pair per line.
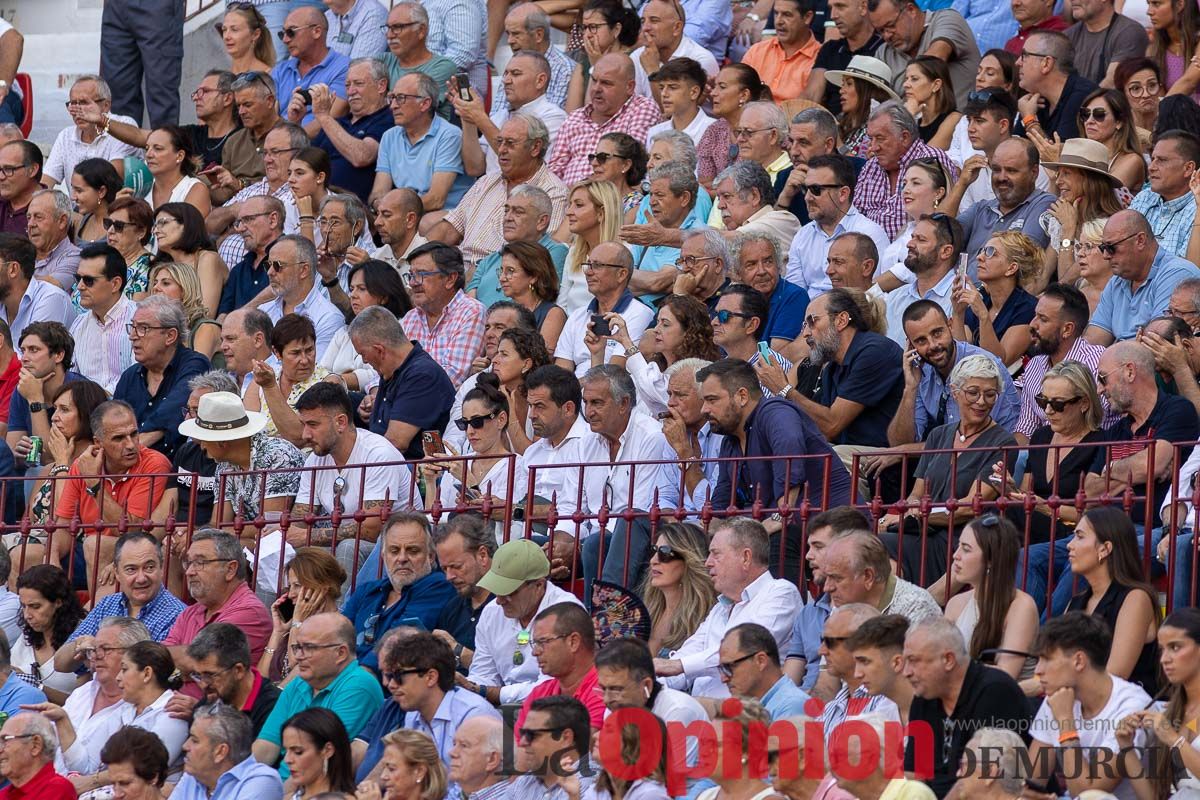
x,y
163,410
870,374
1122,39
786,315
387,480
137,495
246,280
278,458
949,474
412,165
588,693
158,615
786,75
242,608
18,407
358,180
949,26
983,220
1122,309
418,393
331,72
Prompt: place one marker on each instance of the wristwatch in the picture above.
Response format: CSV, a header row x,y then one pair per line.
x,y
37,407
754,17
94,491
784,391
1066,244
329,284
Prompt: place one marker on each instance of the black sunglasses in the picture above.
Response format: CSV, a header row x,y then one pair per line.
x,y
398,675
833,641
727,668
724,315
474,422
1058,405
602,158
111,224
1098,114
666,553
87,280
1108,249
817,189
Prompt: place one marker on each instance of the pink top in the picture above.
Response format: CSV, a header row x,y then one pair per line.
x,y
243,609
1176,66
829,790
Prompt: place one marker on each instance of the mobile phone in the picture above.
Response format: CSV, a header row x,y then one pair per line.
x,y
915,360
764,351
600,325
306,95
286,609
962,265
432,442
464,85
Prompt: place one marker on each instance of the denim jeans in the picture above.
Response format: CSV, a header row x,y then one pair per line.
x,y
1181,594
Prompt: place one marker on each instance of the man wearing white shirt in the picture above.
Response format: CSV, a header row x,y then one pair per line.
x,y
554,398
83,139
681,83
397,215
292,269
102,346
737,560
525,83
23,299
828,194
662,27
504,669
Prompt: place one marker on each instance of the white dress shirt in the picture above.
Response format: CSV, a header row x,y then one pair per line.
x,y
770,602
325,316
549,483
496,646
102,347
695,129
688,48
340,356
807,255
92,731
642,440
541,107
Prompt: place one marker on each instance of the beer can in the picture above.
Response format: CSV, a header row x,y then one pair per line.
x,y
35,450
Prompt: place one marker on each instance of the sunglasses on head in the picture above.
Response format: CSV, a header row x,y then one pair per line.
x,y
665,553
463,423
1056,403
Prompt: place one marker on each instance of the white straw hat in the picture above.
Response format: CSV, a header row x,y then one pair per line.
x,y
221,417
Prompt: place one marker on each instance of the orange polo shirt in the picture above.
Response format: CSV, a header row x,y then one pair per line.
x,y
139,495
786,76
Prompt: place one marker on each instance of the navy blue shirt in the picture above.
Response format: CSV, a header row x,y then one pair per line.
x,y
778,427
162,411
18,407
419,393
388,718
1063,119
430,599
786,317
358,180
870,374
245,281
1018,310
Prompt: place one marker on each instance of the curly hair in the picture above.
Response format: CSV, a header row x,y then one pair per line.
x,y
693,318
189,286
52,584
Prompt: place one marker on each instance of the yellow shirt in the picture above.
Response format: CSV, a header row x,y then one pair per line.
x,y
786,75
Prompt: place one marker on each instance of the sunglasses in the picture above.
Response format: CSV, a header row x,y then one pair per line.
x,y
1098,114
290,33
665,553
115,225
1109,249
817,189
724,315
1058,404
727,668
87,280
474,422
833,641
523,639
601,158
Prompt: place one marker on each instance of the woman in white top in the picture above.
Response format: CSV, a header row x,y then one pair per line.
x,y
993,613
170,159
372,283
684,330
593,216
924,187
50,610
734,784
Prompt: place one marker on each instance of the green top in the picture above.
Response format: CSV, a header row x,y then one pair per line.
x,y
440,68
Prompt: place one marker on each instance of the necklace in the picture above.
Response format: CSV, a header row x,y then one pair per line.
x,y
962,437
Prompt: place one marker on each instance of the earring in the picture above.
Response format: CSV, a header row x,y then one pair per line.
x,y
325,767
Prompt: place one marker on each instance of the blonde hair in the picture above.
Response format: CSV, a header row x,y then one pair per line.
x,y
1093,230
698,595
1080,378
1022,251
418,750
607,203
189,284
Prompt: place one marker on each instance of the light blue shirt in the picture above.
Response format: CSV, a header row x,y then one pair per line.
x,y
457,706
807,631
412,165
784,699
656,257
991,21
1171,220
670,475
708,25
331,72
486,280
457,30
249,780
42,302
16,692
807,254
932,389
896,301
359,33
1122,309
320,310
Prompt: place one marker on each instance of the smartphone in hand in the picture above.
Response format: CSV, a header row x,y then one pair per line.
x,y
600,326
432,442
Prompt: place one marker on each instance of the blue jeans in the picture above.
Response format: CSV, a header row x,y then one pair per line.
x,y
1181,595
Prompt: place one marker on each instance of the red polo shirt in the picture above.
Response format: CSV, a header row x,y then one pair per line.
x,y
46,785
587,693
8,384
1051,23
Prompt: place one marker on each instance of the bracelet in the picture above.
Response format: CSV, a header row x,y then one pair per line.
x,y
1028,119
1178,742
329,284
269,650
59,469
107,123
1071,736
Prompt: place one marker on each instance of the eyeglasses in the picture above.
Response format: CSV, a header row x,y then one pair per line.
x,y
115,225
989,250
8,737
690,262
244,220
8,170
817,189
304,649
1031,54
974,395
1083,248
727,668
462,423
79,103
204,91
399,675
277,151
101,651
137,331
330,222
290,33
523,637
201,563
401,98
205,678
162,222
1109,249
1102,377
398,27
595,265
746,133
529,734
1059,404
88,280
724,315
417,276
1098,114
831,642
1179,312
665,553
1143,90
540,644
810,321
602,158
278,266
593,27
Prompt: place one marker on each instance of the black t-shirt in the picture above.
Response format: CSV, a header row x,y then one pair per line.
x,y
836,54
1063,119
1075,465
208,147
194,466
870,374
989,698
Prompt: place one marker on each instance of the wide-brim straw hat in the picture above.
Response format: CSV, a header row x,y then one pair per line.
x,y
1085,154
221,417
865,68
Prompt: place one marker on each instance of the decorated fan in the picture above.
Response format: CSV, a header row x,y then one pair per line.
x,y
618,612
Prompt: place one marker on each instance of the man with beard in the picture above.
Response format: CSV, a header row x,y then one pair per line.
x,y
932,253
465,546
221,656
1018,204
412,588
1056,334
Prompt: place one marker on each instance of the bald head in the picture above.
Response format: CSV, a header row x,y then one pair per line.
x,y
613,253
329,628
308,15
618,63
1131,352
1127,223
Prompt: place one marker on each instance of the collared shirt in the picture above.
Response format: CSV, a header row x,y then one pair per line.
x,y
412,165
69,149
784,699
359,32
907,294
497,791
1171,220
15,692
786,75
46,784
249,780
853,704
1122,309
480,213
708,25
1030,384
551,114
18,407
1051,23
158,615
552,484
694,129
933,394
44,302
807,631
670,476
59,265
500,658
83,755
233,248
876,196
561,70
807,254
870,374
242,608
983,220
163,410
687,48
103,350
458,31
136,492
417,393
789,303
486,280
578,136
316,305
608,485
768,601
1063,119
532,787
652,258
428,599
637,316
358,180
457,706
455,339
587,692
783,225
331,71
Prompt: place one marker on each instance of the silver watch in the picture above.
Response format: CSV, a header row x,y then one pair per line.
x,y
784,391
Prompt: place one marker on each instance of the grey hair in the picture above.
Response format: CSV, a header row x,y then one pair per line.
x,y
306,251
215,380
426,87
131,631
96,420
686,364
37,725
943,633
419,14
1000,748
535,131
102,87
680,178
62,203
356,212
773,117
858,612
379,70
543,63
168,313
262,80
976,366
10,131
714,244
226,544
228,726
471,527
822,121
535,19
297,138
683,149
748,176
742,239
620,384
900,118
537,197
224,79
1192,286
377,324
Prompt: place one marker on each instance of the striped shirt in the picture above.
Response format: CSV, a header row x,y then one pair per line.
x,y
879,200
1030,385
845,704
1170,220
479,215
455,339
102,347
359,32
457,30
233,248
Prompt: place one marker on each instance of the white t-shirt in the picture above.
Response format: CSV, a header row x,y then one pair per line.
x,y
637,316
377,482
1125,699
695,129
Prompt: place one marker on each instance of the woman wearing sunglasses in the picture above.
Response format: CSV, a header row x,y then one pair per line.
x,y
993,612
182,238
314,586
128,227
620,159
677,590
247,40
1107,118
996,314
94,186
